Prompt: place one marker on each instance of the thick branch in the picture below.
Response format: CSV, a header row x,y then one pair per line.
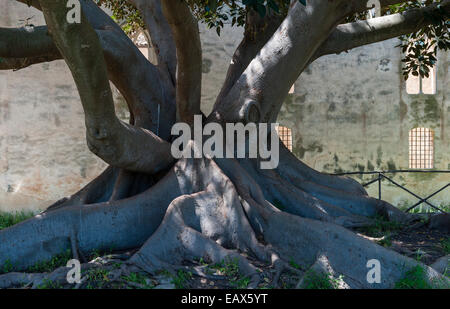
x,y
262,88
115,142
189,58
257,32
25,42
351,35
149,94
160,34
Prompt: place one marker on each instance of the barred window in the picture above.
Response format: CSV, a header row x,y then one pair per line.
x,y
421,152
285,135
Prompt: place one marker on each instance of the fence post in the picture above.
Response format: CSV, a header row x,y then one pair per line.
x,y
379,186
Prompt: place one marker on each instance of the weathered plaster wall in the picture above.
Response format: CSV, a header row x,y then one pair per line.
x,y
43,152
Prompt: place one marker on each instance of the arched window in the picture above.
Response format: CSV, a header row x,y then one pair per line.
x,y
421,148
285,135
422,85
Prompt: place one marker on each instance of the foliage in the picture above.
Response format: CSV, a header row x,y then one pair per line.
x,y
445,244
381,227
9,219
50,265
180,279
230,268
49,284
124,13
420,48
97,278
320,281
415,278
138,278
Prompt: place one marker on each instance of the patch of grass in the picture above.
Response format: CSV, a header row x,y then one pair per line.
x,y
230,269
445,244
8,219
241,283
415,278
97,278
48,266
293,264
49,284
181,279
139,279
386,241
7,267
314,280
422,208
381,227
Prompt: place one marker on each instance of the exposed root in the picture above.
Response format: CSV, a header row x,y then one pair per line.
x,y
97,191
215,211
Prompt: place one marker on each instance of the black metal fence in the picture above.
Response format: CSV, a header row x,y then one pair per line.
x,y
381,175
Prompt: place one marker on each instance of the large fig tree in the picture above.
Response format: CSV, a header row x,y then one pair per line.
x,y
178,210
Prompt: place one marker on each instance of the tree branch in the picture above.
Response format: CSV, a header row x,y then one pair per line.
x,y
257,32
25,42
160,34
189,58
149,94
260,91
115,142
351,35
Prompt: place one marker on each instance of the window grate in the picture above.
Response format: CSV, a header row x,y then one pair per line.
x,y
421,144
285,135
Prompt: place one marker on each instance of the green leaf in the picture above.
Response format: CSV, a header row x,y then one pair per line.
x,y
302,2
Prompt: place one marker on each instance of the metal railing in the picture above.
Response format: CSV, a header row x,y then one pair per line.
x,y
381,176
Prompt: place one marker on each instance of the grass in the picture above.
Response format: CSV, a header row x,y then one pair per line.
x,y
180,279
139,279
8,219
97,278
50,265
422,208
381,227
445,244
230,268
415,278
49,284
314,280
41,267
